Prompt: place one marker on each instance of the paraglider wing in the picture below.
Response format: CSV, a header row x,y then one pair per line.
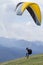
x,y
32,8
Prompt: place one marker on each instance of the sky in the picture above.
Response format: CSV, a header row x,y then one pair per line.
x,y
19,27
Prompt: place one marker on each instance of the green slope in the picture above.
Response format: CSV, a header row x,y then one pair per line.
x,y
33,60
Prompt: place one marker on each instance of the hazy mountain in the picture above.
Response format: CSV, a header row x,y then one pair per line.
x,y
12,48
10,53
18,43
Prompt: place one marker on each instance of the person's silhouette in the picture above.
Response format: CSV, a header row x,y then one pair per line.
x,y
28,52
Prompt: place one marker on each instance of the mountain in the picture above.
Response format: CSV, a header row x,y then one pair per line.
x,y
7,42
13,48
10,53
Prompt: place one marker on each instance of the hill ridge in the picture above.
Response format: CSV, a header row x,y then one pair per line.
x,y
32,60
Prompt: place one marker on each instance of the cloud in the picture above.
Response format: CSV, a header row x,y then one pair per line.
x,y
23,31
37,1
13,26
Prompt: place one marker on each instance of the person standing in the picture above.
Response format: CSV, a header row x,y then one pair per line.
x,y
28,52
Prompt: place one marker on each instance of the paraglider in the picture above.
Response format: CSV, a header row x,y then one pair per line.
x,y
29,52
32,8
35,12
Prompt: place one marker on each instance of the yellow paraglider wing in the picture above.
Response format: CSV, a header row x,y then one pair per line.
x,y
32,8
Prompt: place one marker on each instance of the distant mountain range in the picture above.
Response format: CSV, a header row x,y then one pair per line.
x,y
10,53
12,48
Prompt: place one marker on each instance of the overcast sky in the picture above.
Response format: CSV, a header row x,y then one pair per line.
x,y
19,27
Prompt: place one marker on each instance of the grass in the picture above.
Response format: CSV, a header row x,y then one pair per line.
x,y
33,60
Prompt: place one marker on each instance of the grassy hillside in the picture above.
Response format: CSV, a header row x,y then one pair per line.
x,y
33,60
